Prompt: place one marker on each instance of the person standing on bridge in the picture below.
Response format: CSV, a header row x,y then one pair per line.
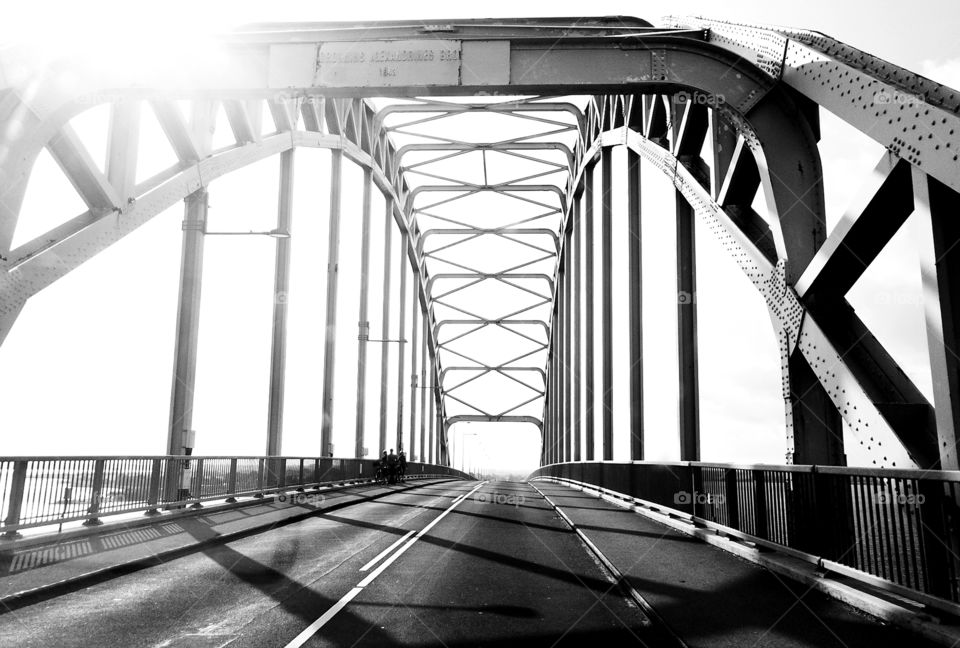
x,y
402,464
391,467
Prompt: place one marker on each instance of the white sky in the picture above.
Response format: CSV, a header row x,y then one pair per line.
x,y
86,370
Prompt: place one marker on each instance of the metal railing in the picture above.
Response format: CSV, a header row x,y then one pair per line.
x,y
894,529
38,491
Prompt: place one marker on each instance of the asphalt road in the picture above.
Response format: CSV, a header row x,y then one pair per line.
x,y
498,569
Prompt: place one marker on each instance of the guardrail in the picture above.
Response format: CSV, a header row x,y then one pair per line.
x,y
38,491
894,529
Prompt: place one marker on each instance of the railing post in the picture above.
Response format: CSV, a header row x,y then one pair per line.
x,y
94,509
232,483
731,501
300,483
15,503
261,470
153,496
198,477
696,486
760,504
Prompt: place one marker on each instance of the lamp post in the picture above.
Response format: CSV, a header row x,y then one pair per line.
x,y
463,450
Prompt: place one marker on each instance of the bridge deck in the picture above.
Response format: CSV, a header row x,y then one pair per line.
x,y
460,564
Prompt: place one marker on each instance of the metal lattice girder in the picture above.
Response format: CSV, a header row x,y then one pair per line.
x,y
765,122
913,117
850,377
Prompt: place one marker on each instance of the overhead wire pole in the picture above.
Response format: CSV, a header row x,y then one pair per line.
x,y
606,257
188,329
588,228
330,333
281,290
385,329
188,306
363,325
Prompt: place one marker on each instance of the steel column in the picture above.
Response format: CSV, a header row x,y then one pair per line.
x,y
424,444
577,249
567,373
330,333
385,330
635,324
402,334
556,424
414,356
433,403
689,418
363,325
188,328
589,311
938,207
434,443
281,290
606,257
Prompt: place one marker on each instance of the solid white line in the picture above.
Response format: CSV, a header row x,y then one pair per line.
x,y
379,570
312,629
383,553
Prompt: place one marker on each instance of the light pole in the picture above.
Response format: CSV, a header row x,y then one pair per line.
x,y
463,450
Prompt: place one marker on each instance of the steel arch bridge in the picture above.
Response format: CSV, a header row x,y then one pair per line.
x,y
564,93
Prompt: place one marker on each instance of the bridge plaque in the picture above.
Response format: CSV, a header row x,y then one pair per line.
x,y
389,63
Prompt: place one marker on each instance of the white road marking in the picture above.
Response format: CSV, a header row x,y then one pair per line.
x,y
383,553
312,629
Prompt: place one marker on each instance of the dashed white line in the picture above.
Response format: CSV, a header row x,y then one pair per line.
x,y
312,629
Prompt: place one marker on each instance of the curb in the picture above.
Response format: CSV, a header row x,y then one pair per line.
x,y
881,609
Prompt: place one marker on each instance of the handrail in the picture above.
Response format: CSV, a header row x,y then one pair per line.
x,y
39,491
890,528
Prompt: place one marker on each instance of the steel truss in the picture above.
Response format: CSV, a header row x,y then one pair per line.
x,y
658,92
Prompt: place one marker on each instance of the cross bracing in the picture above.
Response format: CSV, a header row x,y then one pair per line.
x,y
492,227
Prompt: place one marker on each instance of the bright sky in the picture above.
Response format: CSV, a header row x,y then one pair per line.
x,y
86,369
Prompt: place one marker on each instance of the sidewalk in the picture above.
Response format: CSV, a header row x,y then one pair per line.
x,y
44,564
711,597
